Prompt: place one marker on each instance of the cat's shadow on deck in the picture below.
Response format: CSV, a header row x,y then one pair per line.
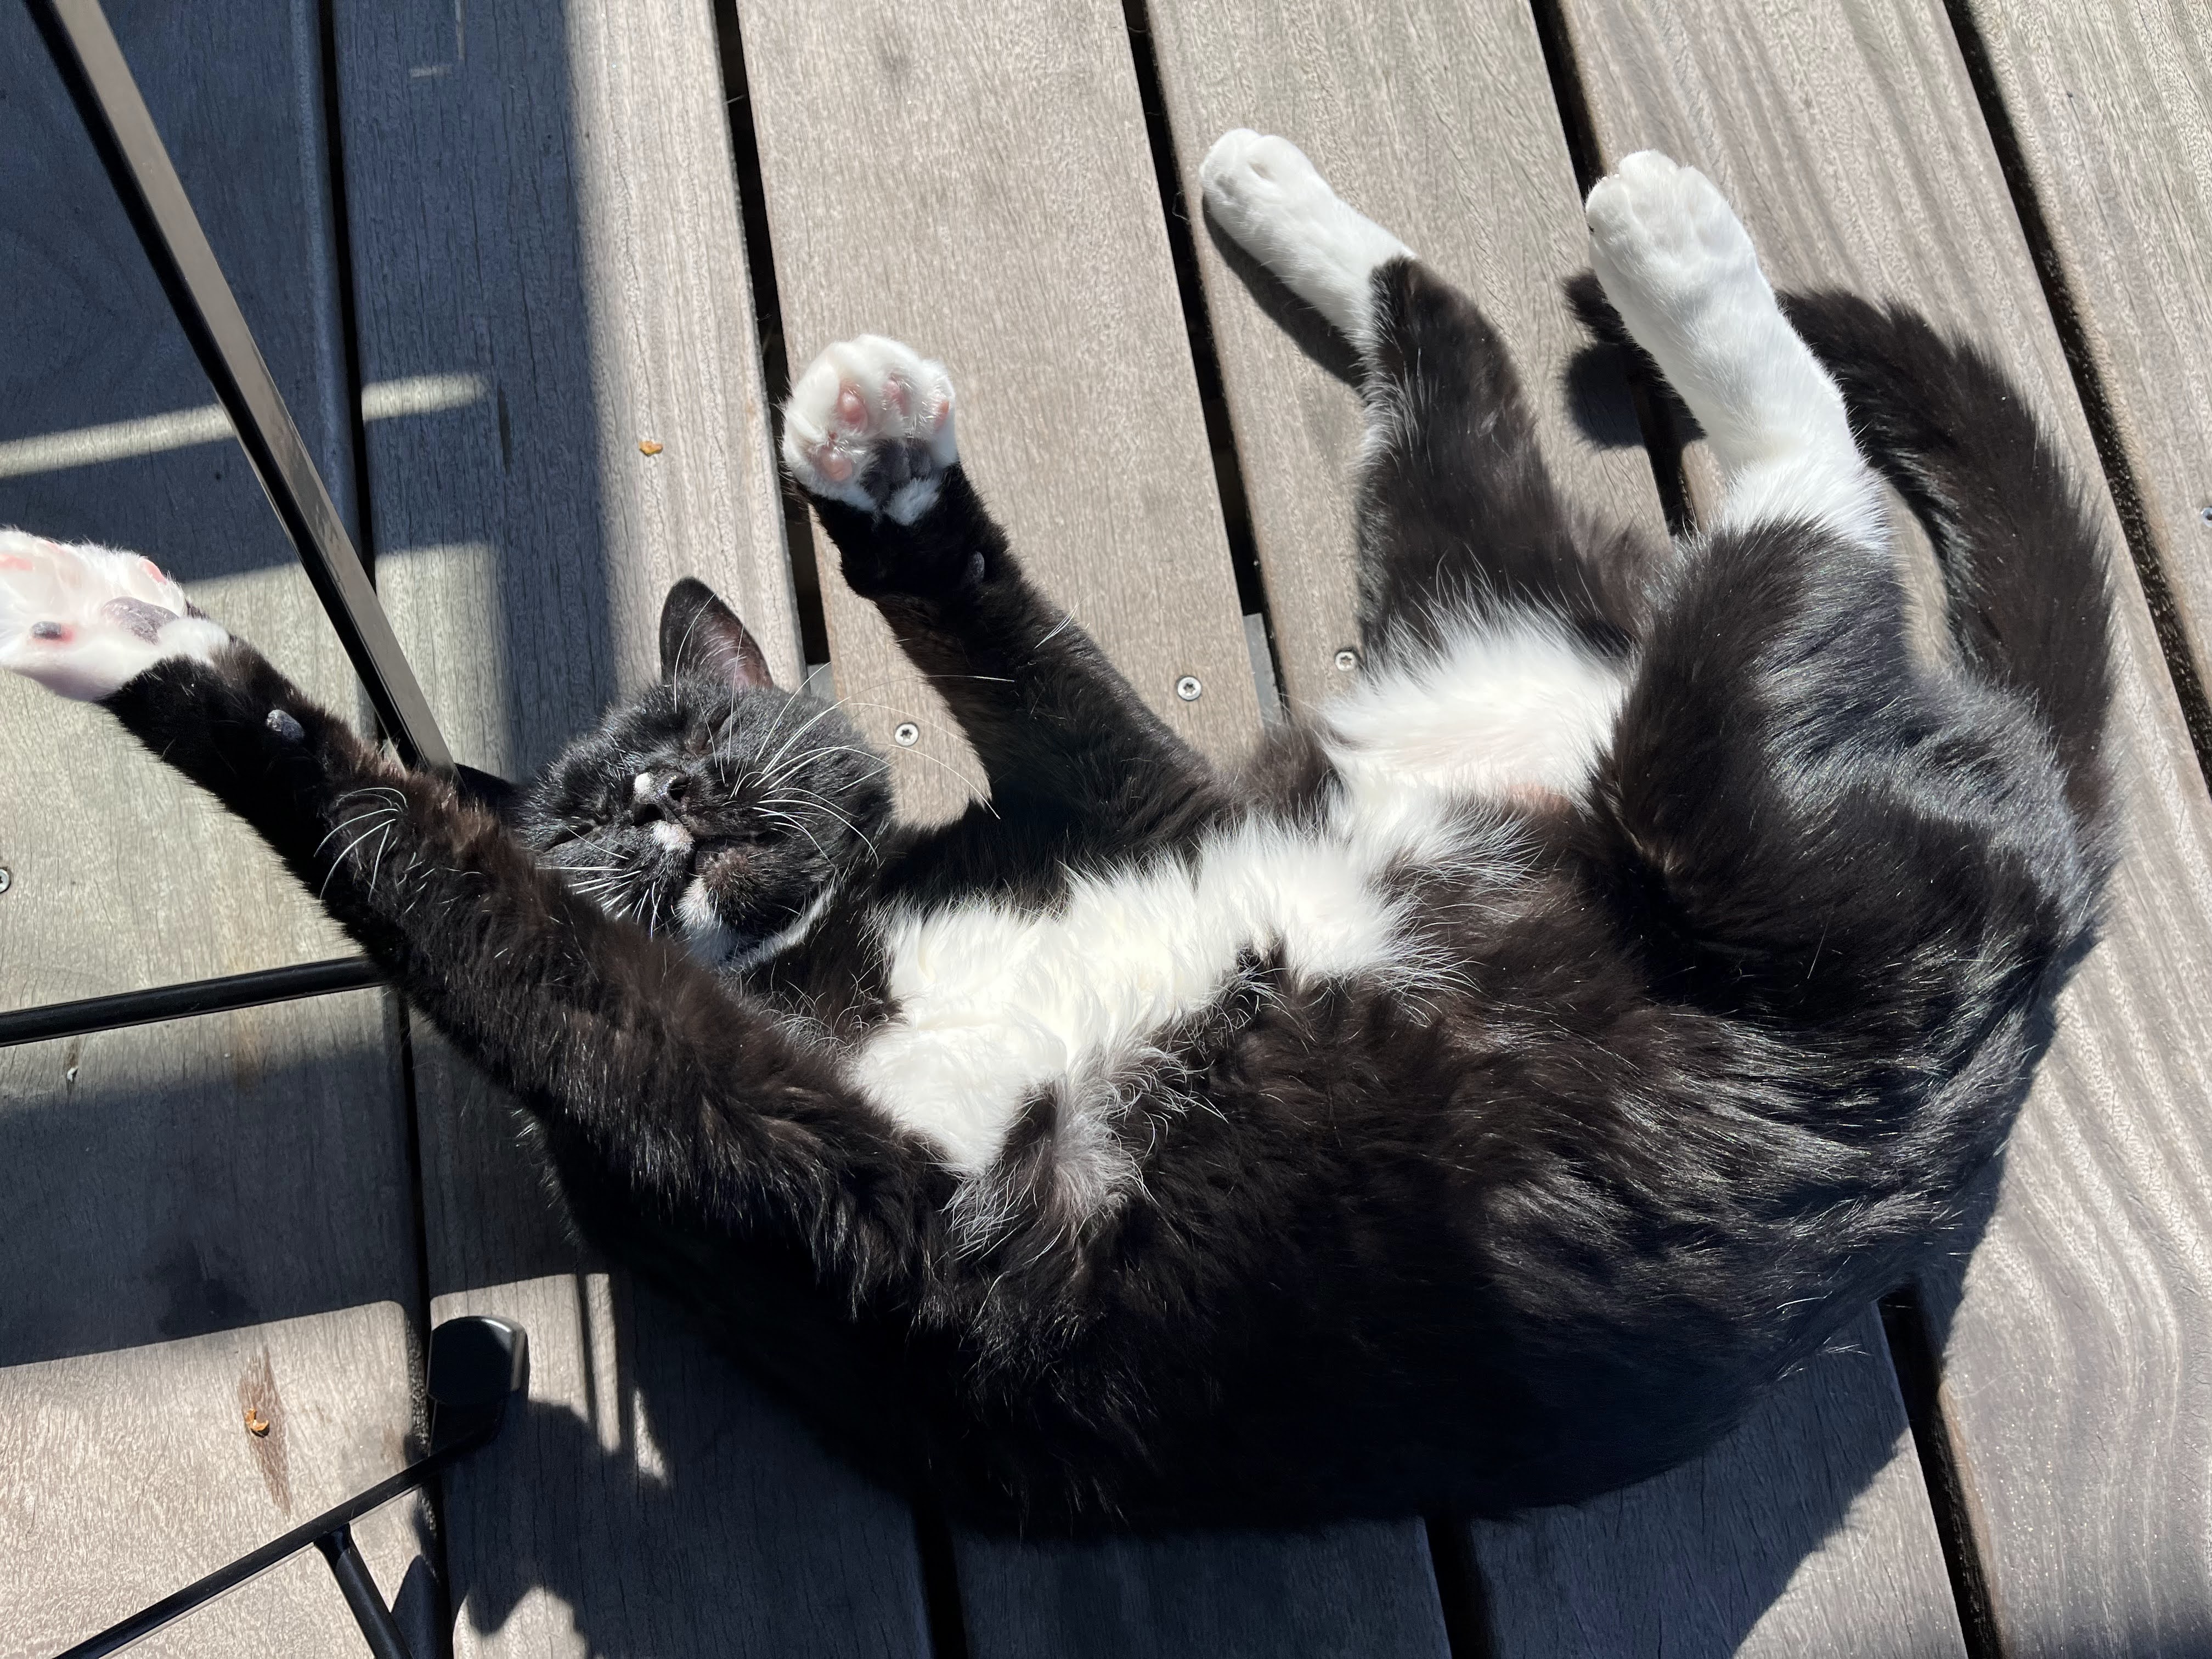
x,y
676,1509
673,1510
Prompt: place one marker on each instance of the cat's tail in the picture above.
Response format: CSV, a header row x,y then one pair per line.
x,y
2029,602
2021,556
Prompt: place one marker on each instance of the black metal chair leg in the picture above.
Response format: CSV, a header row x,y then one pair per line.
x,y
362,1595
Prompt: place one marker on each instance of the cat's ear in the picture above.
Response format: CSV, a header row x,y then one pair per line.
x,y
700,635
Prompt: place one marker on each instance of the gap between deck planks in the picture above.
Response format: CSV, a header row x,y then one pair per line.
x,y
2076,1383
1440,121
203,1211
553,211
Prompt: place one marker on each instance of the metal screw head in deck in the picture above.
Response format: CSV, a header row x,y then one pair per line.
x,y
1347,660
1188,689
6,880
906,734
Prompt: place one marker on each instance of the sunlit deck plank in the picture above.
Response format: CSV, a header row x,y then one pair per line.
x,y
546,201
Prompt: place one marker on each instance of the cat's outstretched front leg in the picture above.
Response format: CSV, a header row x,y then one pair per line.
x,y
654,1084
869,433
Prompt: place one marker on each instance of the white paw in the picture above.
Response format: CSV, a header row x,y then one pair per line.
x,y
1665,243
1269,197
83,620
869,424
1263,189
1681,268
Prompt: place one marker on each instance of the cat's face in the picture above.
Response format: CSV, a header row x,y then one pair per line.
x,y
716,806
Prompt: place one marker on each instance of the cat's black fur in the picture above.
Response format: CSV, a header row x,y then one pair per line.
x,y
1705,1080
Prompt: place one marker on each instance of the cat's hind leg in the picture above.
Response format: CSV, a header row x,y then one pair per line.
x,y
1265,194
1681,269
1458,517
1495,623
1822,829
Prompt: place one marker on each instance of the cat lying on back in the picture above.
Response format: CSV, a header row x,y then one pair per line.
x,y
1473,1103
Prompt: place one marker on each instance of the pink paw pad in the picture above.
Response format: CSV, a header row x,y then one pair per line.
x,y
82,620
869,423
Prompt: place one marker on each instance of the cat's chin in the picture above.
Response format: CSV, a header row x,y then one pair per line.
x,y
708,937
734,947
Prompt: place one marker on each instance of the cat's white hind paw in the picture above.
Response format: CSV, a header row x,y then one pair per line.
x,y
869,424
1668,248
83,620
1679,268
1271,199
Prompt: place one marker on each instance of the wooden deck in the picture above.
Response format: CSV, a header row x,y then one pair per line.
x,y
488,253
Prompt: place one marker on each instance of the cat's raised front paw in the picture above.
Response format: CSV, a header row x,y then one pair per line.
x,y
1665,243
869,424
84,620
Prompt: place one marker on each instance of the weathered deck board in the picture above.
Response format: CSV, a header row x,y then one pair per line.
x,y
553,210
202,1216
1024,243
1807,1531
2079,1365
976,180
2112,106
207,1179
1440,123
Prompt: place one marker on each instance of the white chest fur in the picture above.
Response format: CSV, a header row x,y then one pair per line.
x,y
1514,705
995,1004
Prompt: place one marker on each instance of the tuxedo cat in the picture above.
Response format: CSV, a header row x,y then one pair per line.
x,y
1471,1103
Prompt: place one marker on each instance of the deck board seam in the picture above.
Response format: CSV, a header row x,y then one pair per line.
x,y
801,555
1198,327
1914,1357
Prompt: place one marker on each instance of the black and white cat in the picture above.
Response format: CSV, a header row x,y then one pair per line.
x,y
1472,1104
